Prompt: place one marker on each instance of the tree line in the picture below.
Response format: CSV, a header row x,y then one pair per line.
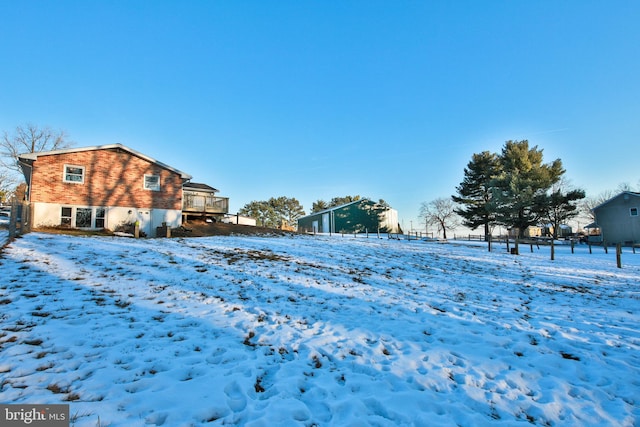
x,y
279,211
515,189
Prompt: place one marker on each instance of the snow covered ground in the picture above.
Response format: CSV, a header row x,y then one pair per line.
x,y
325,331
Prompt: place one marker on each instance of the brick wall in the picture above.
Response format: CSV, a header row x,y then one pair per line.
x,y
113,177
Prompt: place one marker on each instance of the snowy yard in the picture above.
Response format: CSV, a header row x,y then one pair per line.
x,y
285,331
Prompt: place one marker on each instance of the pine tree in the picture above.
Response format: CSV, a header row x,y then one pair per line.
x,y
475,191
271,213
558,206
523,179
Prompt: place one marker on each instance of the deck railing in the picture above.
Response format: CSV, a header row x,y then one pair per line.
x,y
194,203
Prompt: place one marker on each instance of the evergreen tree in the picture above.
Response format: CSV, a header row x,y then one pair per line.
x,y
287,209
475,191
337,201
558,206
522,180
318,206
321,205
271,213
262,212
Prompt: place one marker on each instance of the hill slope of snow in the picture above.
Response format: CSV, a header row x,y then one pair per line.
x,y
318,331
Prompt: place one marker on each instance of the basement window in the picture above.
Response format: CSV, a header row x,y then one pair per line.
x,y
83,217
100,214
633,211
65,217
73,174
152,182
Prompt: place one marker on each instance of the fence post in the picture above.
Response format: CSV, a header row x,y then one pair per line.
x,y
13,221
25,219
619,255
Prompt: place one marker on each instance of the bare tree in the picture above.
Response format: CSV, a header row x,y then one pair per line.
x,y
5,184
589,203
29,139
441,213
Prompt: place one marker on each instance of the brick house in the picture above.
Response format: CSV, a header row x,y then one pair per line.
x,y
103,186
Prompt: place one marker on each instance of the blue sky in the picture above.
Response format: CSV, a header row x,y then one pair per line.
x,y
314,100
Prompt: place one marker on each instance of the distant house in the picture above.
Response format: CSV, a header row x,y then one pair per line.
x,y
102,187
531,231
200,201
355,217
619,219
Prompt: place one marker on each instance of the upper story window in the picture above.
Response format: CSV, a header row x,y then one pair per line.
x,y
633,211
74,174
152,182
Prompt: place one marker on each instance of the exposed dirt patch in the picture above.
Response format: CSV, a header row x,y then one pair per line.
x,y
190,229
202,228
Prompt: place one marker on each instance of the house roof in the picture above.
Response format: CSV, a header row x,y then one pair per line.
x,y
34,156
632,193
199,186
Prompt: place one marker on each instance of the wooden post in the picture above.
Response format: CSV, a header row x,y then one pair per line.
x,y
553,250
619,255
136,229
13,221
23,219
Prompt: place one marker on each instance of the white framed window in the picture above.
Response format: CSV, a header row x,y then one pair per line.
x,y
633,211
152,182
73,174
83,217
65,216
100,217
